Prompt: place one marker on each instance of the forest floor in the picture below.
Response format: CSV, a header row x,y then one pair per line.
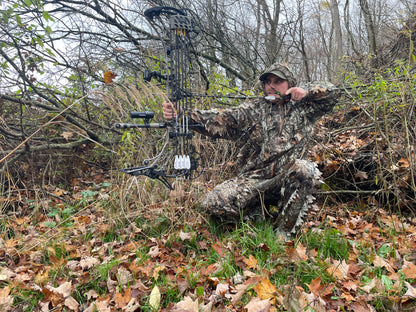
x,y
73,252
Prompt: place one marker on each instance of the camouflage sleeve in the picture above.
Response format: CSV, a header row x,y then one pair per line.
x,y
321,98
224,123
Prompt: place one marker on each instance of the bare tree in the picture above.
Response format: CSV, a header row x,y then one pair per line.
x,y
55,53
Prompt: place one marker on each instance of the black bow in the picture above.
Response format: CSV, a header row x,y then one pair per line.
x,y
176,28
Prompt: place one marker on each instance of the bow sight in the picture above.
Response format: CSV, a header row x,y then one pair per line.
x,y
176,28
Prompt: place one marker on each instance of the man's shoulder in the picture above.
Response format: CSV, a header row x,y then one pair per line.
x,y
320,86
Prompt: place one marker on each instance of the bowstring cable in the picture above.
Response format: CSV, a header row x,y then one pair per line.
x,y
156,158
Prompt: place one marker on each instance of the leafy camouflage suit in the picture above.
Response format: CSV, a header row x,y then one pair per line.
x,y
271,138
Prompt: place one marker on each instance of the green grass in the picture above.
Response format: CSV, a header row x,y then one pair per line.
x,y
26,299
187,259
329,243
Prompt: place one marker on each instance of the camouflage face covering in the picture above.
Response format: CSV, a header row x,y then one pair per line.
x,y
280,71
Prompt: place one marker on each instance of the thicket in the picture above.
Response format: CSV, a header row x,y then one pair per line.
x,y
366,148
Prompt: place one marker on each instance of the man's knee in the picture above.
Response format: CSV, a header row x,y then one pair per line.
x,y
229,200
306,173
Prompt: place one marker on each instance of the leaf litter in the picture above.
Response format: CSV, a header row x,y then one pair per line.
x,y
73,268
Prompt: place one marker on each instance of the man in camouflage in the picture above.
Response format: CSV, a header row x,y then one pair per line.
x,y
271,135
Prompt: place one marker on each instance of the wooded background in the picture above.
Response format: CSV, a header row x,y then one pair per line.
x,y
57,113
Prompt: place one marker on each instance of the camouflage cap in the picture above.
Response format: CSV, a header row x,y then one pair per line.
x,y
281,71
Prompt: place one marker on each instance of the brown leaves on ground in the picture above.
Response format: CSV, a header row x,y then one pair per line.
x,y
73,268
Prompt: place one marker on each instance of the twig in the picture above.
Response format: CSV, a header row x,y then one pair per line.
x,y
40,128
348,192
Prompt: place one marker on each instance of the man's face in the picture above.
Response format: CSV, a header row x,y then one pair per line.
x,y
275,85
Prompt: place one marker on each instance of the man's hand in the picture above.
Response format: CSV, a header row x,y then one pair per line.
x,y
297,93
169,110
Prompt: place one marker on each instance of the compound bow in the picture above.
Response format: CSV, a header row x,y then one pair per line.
x,y
177,28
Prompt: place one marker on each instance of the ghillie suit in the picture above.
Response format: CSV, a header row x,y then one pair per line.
x,y
272,140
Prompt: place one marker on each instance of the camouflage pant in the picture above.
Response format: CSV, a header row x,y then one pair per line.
x,y
290,192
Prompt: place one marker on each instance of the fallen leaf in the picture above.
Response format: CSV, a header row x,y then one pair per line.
x,y
297,254
6,274
350,285
123,299
111,284
410,292
186,305
258,305
316,304
157,270
210,269
92,294
124,277
367,288
154,251
315,286
348,297
4,292
44,307
154,298
42,276
241,289
409,269
222,289
185,236
88,262
71,303
248,273
381,262
265,289
64,289
251,262
102,305
23,278
52,297
338,269
360,307
6,301
219,250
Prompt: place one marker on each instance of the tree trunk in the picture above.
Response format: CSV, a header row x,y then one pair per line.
x,y
271,19
336,26
347,18
369,25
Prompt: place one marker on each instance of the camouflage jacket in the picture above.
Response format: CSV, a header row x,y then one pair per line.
x,y
269,136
